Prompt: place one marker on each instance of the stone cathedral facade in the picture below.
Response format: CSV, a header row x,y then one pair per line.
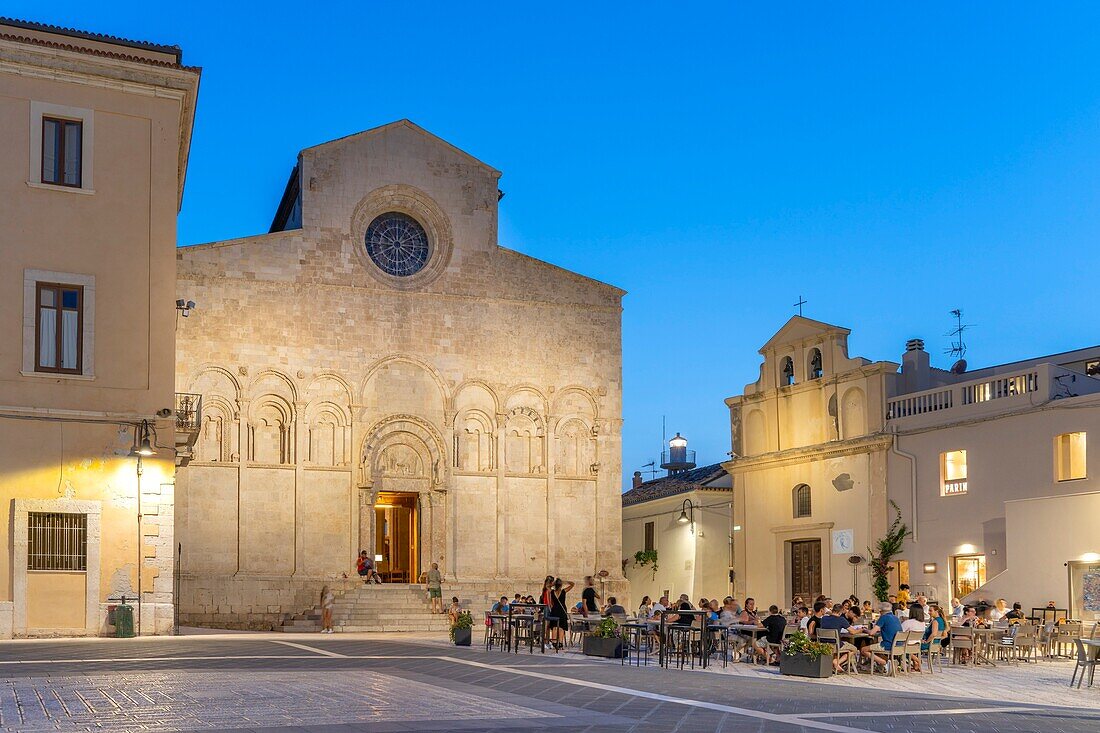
x,y
377,373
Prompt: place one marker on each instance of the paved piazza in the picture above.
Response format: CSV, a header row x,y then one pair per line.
x,y
401,683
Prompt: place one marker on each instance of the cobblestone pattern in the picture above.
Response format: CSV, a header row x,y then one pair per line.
x,y
193,701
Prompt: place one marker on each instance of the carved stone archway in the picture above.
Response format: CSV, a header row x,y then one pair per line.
x,y
404,453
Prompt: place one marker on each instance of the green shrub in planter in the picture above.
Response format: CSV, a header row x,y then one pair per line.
x,y
604,641
462,629
803,657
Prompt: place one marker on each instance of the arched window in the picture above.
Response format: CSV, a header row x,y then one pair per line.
x,y
786,372
815,364
802,506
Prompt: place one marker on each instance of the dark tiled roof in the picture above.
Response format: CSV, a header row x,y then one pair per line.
x,y
694,480
175,51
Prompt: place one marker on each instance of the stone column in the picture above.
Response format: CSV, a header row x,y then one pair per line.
x,y
550,459
366,521
244,446
300,453
500,558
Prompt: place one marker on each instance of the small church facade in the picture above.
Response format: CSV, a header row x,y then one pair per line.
x,y
809,467
378,374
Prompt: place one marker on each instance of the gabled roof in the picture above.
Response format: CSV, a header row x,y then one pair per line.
x,y
415,128
697,479
799,328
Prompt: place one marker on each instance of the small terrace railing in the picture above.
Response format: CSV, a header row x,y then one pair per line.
x,y
993,394
188,412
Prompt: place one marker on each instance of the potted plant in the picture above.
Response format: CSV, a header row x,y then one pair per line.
x,y
462,628
646,557
604,641
803,657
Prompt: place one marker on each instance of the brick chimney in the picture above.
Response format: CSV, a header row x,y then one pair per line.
x,y
637,479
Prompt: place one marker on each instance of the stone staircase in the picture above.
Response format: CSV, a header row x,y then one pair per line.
x,y
386,607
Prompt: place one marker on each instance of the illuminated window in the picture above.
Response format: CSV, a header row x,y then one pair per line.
x,y
1069,456
953,472
967,574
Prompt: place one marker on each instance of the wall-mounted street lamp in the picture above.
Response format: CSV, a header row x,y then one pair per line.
x,y
687,514
143,447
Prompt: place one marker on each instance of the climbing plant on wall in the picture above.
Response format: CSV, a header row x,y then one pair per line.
x,y
886,549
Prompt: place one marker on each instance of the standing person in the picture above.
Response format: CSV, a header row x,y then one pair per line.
x,y
328,600
547,586
559,612
434,583
589,595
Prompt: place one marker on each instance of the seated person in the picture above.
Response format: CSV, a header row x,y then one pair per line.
x,y
684,605
802,616
712,607
888,626
365,567
454,609
915,622
501,606
867,610
838,621
1016,615
729,613
970,618
814,619
613,608
749,615
936,630
775,623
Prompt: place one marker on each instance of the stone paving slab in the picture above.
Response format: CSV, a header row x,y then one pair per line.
x,y
385,684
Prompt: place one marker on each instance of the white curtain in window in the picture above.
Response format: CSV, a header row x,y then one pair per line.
x,y
47,337
69,322
50,135
72,154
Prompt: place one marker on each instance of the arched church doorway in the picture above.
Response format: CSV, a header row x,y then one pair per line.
x,y
397,536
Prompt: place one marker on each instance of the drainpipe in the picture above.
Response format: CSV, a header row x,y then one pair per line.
x,y
912,476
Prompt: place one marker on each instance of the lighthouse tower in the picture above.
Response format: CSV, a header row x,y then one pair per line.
x,y
677,458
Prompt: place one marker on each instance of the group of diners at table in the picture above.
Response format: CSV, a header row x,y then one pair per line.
x,y
865,632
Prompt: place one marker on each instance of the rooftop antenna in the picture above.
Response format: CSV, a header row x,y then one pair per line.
x,y
958,344
651,469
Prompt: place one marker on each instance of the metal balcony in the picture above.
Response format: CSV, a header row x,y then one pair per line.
x,y
188,410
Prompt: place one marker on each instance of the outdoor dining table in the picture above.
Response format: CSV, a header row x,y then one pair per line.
x,y
662,655
525,617
983,637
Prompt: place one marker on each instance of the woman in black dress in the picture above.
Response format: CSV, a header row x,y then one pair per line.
x,y
559,612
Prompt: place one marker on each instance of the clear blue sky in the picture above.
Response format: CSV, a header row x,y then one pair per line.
x,y
716,161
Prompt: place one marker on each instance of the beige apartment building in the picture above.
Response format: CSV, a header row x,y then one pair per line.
x,y
379,374
809,466
95,143
993,470
685,519
990,469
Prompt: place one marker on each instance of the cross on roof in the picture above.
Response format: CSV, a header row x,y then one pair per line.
x,y
801,302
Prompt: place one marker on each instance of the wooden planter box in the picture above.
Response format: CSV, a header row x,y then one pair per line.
x,y
594,646
463,636
801,665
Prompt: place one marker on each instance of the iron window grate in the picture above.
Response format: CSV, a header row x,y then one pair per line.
x,y
57,541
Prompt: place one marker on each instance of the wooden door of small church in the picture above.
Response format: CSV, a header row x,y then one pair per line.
x,y
806,569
